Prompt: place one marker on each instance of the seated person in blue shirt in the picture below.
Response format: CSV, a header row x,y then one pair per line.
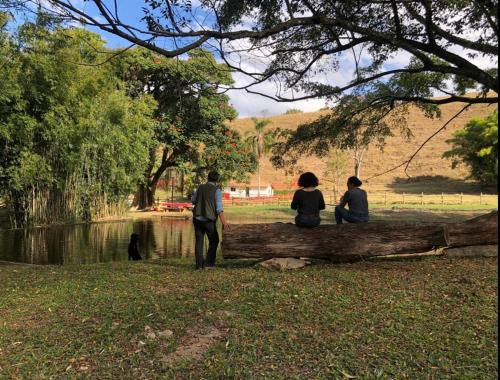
x,y
357,200
208,207
308,201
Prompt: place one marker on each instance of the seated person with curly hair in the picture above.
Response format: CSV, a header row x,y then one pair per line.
x,y
357,200
308,201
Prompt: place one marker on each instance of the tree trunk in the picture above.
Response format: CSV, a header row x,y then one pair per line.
x,y
145,194
258,179
352,242
172,184
358,160
182,184
357,168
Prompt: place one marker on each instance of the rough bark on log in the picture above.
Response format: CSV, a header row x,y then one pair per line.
x,y
351,242
482,230
344,242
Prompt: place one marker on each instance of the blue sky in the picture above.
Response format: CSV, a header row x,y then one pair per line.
x,y
131,12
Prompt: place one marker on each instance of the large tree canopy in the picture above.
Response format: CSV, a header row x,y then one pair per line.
x,y
477,146
297,41
192,134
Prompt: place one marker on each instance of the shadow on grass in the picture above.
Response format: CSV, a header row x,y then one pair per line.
x,y
238,264
438,184
187,263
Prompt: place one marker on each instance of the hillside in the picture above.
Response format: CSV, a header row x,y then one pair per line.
x,y
430,173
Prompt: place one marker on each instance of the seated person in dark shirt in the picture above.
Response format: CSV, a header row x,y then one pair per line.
x,y
133,248
308,201
357,200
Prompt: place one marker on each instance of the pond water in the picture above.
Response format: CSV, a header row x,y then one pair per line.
x,y
98,242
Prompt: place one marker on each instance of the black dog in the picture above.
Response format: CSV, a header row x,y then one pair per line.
x,y
133,248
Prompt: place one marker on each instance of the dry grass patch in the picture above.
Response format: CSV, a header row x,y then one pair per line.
x,y
194,345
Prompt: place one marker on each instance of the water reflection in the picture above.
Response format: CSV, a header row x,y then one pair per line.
x,y
97,242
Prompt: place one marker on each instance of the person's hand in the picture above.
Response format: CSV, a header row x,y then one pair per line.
x,y
225,226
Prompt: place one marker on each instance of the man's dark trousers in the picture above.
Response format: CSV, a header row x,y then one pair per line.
x,y
210,229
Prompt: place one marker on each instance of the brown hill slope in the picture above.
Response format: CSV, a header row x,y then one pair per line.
x,y
430,173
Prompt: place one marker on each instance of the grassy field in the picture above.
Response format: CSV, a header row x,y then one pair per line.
x,y
251,213
241,214
426,319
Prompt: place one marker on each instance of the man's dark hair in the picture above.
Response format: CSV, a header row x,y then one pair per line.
x,y
308,179
354,181
213,176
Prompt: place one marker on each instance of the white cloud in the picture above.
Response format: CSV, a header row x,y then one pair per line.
x,y
256,105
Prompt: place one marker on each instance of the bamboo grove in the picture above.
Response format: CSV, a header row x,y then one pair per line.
x,y
79,132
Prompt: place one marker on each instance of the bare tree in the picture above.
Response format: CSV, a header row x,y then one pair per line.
x,y
335,170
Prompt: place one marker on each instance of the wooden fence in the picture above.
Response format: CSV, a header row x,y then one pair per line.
x,y
384,198
388,198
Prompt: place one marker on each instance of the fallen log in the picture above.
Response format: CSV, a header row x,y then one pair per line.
x,y
482,230
351,242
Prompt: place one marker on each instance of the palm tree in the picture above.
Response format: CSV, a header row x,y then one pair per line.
x,y
260,142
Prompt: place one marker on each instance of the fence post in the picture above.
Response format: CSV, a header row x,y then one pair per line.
x,y
403,198
481,198
385,197
461,198
422,198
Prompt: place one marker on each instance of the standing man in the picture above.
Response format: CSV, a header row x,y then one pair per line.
x,y
207,200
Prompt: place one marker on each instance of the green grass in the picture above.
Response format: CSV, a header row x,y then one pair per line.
x,y
259,212
239,214
433,318
421,319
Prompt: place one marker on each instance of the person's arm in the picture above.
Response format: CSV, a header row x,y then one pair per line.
x,y
321,205
344,199
193,197
295,201
225,224
220,209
